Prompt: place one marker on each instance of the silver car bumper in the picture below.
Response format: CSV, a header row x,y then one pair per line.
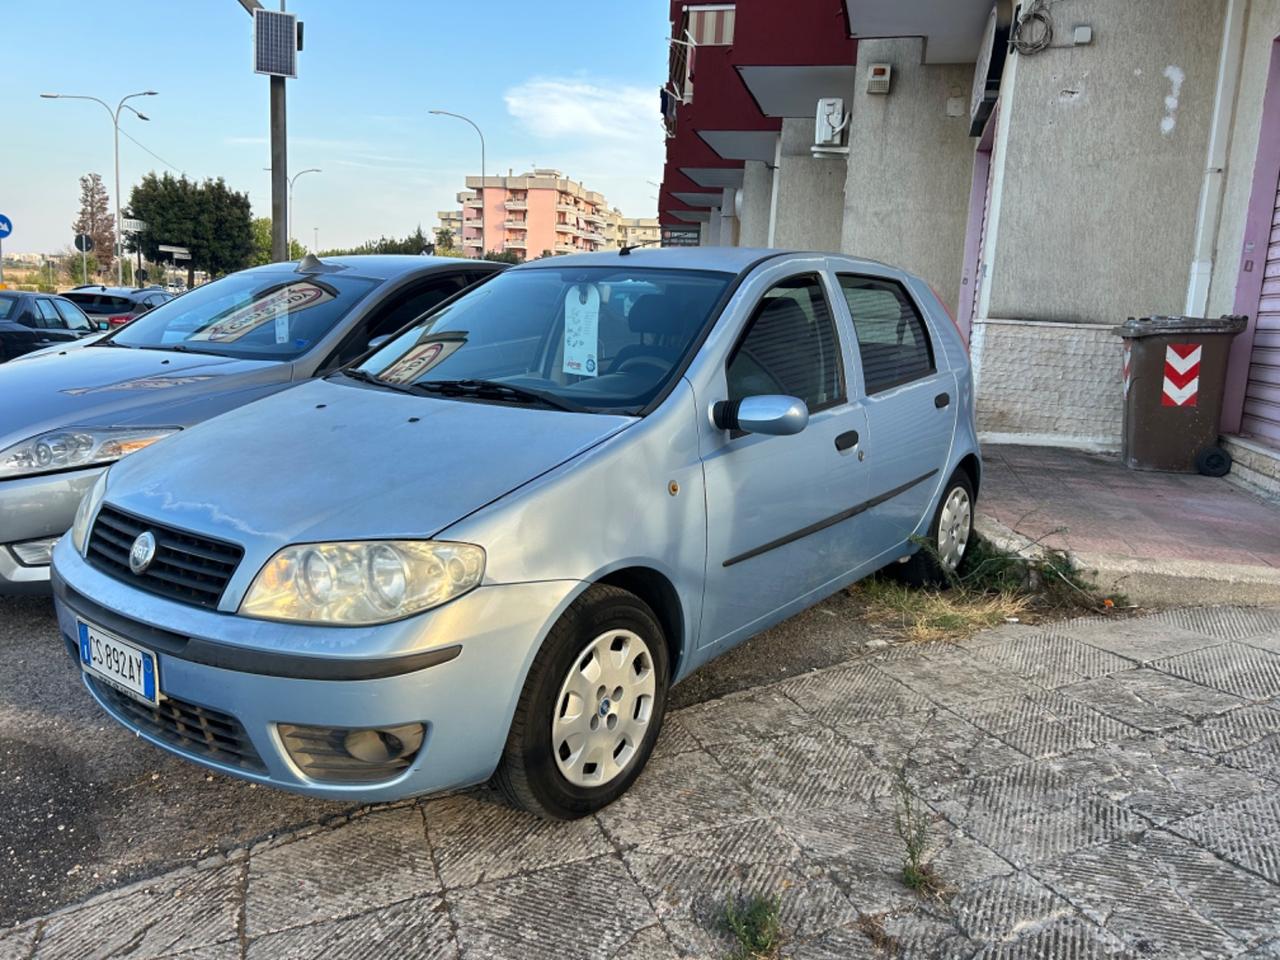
x,y
35,509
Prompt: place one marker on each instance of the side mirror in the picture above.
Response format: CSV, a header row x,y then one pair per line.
x,y
101,325
771,414
376,342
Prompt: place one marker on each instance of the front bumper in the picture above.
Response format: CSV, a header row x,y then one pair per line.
x,y
465,702
32,508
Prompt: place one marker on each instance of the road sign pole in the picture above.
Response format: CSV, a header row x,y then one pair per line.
x,y
1,261
84,266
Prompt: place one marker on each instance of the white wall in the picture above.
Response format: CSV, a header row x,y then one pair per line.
x,y
810,204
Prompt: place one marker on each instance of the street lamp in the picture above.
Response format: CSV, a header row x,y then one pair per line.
x,y
484,247
289,225
115,122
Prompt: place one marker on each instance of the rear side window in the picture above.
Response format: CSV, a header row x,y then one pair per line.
x,y
790,348
9,308
76,320
49,318
892,339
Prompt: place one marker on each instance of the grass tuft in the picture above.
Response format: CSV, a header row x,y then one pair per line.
x,y
912,824
756,924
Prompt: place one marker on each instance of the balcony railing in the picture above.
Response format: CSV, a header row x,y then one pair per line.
x,y
475,203
565,248
515,224
566,208
517,245
562,227
516,204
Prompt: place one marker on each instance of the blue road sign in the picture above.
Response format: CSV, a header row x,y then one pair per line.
x,y
6,226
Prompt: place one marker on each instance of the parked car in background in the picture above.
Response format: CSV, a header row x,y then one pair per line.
x,y
69,413
34,321
491,546
117,305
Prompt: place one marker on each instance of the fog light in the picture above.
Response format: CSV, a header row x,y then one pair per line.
x,y
346,755
34,553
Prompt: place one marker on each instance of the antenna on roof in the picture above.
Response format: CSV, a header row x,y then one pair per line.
x,y
626,251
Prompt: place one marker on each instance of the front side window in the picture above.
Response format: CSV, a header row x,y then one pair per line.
x,y
892,339
790,348
605,339
255,315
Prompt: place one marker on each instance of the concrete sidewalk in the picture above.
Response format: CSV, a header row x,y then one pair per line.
x,y
1159,538
1096,787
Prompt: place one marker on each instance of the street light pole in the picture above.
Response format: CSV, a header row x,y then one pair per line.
x,y
115,122
290,223
484,247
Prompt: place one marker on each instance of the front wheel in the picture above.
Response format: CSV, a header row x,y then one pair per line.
x,y
949,535
590,709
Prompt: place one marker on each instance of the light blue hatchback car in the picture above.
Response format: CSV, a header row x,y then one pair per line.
x,y
490,546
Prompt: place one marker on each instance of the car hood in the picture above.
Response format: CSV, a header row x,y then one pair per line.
x,y
122,387
336,460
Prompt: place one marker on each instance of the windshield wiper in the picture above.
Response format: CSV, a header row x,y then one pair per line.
x,y
364,376
493,390
109,343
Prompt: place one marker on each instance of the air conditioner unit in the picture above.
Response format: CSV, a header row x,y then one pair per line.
x,y
830,122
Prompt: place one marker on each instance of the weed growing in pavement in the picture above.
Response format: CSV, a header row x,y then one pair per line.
x,y
991,587
756,924
912,824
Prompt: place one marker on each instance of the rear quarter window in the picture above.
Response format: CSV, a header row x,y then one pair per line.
x,y
893,341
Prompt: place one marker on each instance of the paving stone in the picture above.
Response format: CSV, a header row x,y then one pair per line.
x,y
805,771
1002,907
191,909
16,944
1142,640
1265,951
1044,724
756,716
923,934
675,795
373,861
690,879
857,692
932,747
1150,700
1262,758
1000,634
1226,623
1053,660
1229,732
859,847
1231,667
841,944
417,929
957,679
1166,897
651,943
226,950
674,739
1071,938
589,909
476,837
1246,832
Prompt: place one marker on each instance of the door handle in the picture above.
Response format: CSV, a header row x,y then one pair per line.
x,y
847,440
941,400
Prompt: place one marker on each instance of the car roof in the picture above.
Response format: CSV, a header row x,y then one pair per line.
x,y
381,266
726,259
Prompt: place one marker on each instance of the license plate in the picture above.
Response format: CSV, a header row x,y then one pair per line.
x,y
124,665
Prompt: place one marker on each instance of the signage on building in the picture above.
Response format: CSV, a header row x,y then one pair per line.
x,y
990,65
680,236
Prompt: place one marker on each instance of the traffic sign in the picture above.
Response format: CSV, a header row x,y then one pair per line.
x,y
132,226
178,253
84,242
6,226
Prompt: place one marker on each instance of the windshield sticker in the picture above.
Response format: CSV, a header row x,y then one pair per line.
x,y
421,358
581,330
276,307
141,383
282,326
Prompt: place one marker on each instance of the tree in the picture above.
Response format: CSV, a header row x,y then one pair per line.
x,y
211,220
95,218
444,239
261,227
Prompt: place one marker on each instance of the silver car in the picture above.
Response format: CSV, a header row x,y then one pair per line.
x,y
66,414
489,548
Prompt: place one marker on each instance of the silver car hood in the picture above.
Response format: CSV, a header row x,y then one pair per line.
x,y
120,387
334,460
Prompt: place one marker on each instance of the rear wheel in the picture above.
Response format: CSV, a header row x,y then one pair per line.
x,y
948,539
590,710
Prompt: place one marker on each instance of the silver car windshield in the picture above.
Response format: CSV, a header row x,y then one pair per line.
x,y
261,316
605,339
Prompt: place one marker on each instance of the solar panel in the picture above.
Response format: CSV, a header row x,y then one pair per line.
x,y
275,43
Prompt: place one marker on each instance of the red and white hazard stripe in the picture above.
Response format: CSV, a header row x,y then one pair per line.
x,y
1181,374
1128,351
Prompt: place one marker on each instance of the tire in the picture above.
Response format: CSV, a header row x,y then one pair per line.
x,y
546,766
1213,462
924,568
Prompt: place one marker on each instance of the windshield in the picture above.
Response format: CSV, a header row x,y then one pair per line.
x,y
593,338
260,316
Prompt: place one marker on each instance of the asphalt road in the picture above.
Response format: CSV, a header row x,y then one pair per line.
x,y
85,806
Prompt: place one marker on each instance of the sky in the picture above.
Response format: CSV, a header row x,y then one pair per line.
x,y
568,84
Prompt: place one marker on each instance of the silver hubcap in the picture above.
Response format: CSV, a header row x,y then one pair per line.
x,y
604,709
954,526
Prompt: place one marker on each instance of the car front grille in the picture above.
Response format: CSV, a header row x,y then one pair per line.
x,y
187,567
197,731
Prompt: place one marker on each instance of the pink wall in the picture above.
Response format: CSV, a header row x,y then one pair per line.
x,y
542,218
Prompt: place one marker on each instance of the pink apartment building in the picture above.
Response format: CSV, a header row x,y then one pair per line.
x,y
535,213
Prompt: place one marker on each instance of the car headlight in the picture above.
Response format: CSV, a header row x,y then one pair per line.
x,y
76,447
362,582
89,504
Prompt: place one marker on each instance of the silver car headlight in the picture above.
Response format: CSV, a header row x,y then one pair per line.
x,y
76,447
89,504
362,582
